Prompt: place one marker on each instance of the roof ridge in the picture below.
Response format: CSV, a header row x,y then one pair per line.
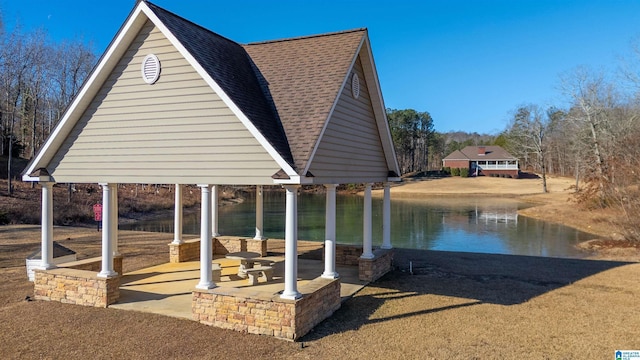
x,y
308,36
190,22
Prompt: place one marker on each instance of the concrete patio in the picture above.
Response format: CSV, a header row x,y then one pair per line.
x,y
167,289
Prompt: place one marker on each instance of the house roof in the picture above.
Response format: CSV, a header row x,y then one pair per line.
x,y
304,76
473,153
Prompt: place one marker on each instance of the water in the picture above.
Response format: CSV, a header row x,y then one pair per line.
x,y
482,225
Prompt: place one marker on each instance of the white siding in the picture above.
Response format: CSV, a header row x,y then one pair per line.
x,y
174,131
350,146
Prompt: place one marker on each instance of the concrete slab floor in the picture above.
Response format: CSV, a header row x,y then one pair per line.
x,y
167,289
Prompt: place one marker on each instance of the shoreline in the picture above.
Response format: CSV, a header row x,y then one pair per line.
x,y
555,206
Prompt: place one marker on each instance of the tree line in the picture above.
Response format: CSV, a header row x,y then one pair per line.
x,y
594,135
419,147
38,79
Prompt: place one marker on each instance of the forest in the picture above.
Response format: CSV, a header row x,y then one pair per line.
x,y
38,79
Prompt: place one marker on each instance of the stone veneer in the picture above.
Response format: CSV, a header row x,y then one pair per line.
x,y
349,255
187,251
222,245
256,245
255,312
93,264
80,287
373,269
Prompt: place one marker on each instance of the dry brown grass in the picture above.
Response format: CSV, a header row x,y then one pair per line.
x,y
455,305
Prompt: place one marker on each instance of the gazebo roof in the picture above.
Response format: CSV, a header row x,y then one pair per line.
x,y
284,92
304,77
230,66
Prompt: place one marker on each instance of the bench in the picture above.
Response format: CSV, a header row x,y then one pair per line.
x,y
263,262
254,273
216,272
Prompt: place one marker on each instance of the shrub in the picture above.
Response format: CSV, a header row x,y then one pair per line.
x,y
464,172
4,218
455,172
446,170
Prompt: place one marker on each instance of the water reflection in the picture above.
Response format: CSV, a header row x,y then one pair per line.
x,y
483,225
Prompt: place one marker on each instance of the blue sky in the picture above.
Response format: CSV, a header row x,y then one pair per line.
x,y
468,63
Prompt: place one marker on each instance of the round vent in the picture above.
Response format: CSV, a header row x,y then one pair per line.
x,y
150,69
355,86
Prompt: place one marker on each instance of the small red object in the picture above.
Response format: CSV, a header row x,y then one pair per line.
x,y
97,212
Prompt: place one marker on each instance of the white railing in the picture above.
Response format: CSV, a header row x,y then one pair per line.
x,y
499,167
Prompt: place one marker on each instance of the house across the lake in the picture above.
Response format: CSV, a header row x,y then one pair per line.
x,y
483,160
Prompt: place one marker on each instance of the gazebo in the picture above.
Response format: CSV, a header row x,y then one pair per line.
x,y
171,102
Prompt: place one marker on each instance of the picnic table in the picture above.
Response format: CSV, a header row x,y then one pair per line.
x,y
246,260
247,270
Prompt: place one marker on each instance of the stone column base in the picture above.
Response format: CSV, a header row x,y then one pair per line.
x,y
257,245
223,245
80,287
187,251
264,313
373,269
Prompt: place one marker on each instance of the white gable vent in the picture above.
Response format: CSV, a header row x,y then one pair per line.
x,y
355,86
150,69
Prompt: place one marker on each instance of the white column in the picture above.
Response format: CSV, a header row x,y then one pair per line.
x,y
367,242
206,244
107,232
330,234
47,226
259,213
291,245
177,216
114,219
386,217
214,211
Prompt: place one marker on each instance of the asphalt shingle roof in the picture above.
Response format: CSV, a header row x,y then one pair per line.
x,y
286,87
231,68
492,152
304,76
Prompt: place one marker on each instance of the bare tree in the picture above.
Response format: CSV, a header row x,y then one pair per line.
x,y
14,71
529,130
38,79
592,100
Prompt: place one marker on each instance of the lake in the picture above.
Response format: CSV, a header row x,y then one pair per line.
x,y
473,224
